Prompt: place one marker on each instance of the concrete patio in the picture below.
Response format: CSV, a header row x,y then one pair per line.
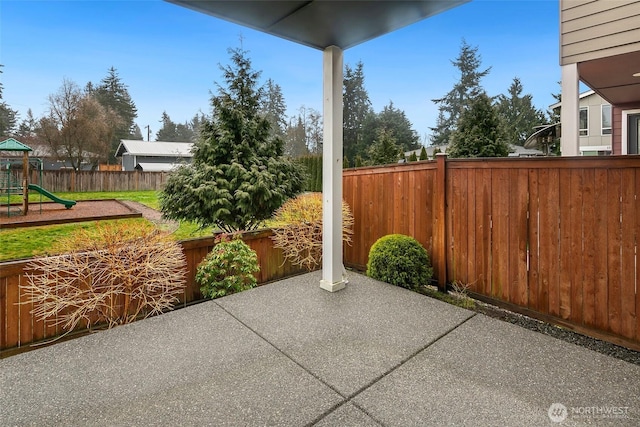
x,y
290,353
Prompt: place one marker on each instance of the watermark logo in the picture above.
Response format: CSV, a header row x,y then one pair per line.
x,y
557,412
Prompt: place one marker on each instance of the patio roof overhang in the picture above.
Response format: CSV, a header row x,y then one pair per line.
x,y
322,23
614,77
331,26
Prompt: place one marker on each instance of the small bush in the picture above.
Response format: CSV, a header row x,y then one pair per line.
x,y
399,260
298,229
111,274
227,269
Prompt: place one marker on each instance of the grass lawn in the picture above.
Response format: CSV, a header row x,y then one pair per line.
x,y
29,241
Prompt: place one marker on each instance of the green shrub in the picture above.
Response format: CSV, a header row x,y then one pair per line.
x,y
399,260
227,269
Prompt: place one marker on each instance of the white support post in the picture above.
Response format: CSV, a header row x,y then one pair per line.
x,y
332,267
570,111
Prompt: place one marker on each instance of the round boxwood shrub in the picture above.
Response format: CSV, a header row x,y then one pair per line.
x,y
227,269
399,260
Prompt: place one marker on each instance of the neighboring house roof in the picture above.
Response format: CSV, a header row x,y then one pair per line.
x,y
154,149
582,96
429,150
155,167
514,151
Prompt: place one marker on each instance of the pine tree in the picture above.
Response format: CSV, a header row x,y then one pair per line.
x,y
479,132
8,116
413,157
295,139
113,94
356,108
385,149
453,104
518,113
238,176
395,122
423,154
274,108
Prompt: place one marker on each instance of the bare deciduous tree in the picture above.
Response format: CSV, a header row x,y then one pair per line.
x,y
78,128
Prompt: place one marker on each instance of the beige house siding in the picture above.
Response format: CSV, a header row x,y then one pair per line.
x,y
592,29
595,138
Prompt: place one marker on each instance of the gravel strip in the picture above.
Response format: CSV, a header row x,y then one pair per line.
x,y
567,335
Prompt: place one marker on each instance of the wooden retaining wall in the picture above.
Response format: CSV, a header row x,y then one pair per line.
x,y
18,328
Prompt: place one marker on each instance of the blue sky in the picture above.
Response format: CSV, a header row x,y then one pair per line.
x,y
168,56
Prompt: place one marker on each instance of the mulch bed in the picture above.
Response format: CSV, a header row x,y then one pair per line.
x,y
54,213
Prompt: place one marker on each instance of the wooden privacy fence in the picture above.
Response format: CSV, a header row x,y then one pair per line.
x,y
19,328
556,238
61,181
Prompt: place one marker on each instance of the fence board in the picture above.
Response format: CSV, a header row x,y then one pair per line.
x,y
627,267
533,276
589,249
637,251
518,228
500,190
566,208
600,260
613,249
487,219
576,248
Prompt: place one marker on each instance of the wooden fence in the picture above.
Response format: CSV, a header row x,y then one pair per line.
x,y
61,181
18,328
556,238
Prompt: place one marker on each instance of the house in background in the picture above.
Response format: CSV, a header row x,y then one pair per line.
x,y
156,156
594,124
600,46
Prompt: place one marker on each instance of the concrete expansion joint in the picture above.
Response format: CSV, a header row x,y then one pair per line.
x,y
349,399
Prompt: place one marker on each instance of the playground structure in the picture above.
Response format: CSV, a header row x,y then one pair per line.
x,y
14,180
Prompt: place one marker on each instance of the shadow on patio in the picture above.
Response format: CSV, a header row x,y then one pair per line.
x,y
289,353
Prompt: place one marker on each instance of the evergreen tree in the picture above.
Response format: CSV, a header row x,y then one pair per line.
x,y
238,176
413,157
113,94
479,132
175,132
274,108
295,142
395,122
314,130
518,113
385,149
136,133
8,116
345,163
453,104
423,154
356,108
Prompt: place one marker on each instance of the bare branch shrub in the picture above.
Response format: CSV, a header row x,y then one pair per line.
x,y
298,229
114,275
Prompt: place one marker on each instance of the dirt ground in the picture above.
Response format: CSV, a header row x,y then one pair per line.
x,y
54,213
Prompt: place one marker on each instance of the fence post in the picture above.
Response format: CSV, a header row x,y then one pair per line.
x,y
440,245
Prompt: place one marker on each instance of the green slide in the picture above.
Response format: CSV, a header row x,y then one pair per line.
x,y
67,203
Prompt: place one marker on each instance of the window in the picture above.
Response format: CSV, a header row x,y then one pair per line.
x,y
584,121
606,119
